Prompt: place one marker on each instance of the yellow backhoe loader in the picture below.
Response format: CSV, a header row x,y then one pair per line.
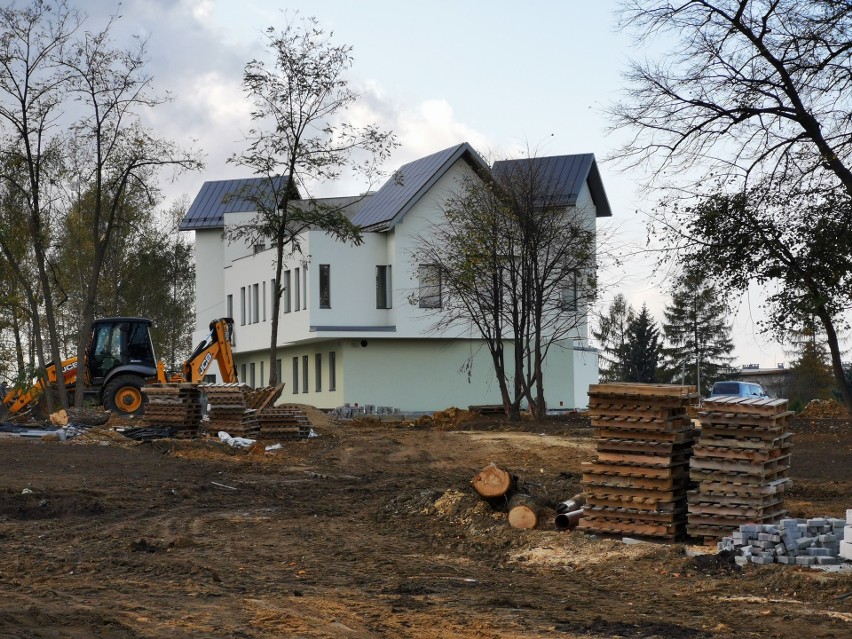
x,y
120,360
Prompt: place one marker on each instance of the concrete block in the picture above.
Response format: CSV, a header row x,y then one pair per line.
x,y
750,529
770,529
803,529
837,524
816,521
763,560
741,560
805,560
813,551
786,559
827,561
847,534
846,550
849,516
804,542
765,536
766,545
827,538
788,522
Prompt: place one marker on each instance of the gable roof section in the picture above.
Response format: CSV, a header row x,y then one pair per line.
x,y
409,183
209,207
563,177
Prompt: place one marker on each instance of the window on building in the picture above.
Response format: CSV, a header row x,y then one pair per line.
x,y
332,371
383,286
252,379
304,373
261,373
278,370
243,372
259,248
229,306
569,292
429,276
264,306
242,305
256,303
304,288
295,375
285,291
325,286
297,290
318,371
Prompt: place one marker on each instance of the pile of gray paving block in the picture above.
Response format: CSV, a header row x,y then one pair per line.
x,y
821,541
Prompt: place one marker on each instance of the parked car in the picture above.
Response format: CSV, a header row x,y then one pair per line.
x,y
737,389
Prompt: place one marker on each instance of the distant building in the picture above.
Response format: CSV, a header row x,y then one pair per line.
x,y
354,325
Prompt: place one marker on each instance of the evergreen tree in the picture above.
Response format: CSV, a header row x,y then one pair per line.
x,y
810,374
612,339
643,349
698,337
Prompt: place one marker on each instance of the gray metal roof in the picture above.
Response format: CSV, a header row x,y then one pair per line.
x,y
209,207
408,184
561,177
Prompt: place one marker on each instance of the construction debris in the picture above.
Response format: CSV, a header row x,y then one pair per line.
x,y
638,485
174,406
740,462
823,409
800,542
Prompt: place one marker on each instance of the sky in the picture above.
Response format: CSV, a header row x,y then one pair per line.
x,y
506,77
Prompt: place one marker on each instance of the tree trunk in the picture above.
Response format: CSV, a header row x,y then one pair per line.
x,y
836,358
493,482
276,305
524,511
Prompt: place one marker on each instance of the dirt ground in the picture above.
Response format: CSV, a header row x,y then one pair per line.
x,y
372,530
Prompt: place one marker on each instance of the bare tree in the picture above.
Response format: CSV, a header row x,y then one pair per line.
x,y
112,151
299,103
750,113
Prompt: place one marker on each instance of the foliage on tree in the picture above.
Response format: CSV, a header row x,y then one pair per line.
x,y
70,104
611,334
746,126
797,249
810,374
517,266
642,349
697,334
300,101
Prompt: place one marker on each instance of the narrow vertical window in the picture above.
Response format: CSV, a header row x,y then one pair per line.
x,y
332,371
243,372
264,308
325,286
304,373
297,290
569,292
261,372
430,285
252,380
229,306
285,291
304,288
318,371
295,375
255,291
383,286
242,305
278,370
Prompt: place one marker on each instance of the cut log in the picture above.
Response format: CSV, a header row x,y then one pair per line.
x,y
523,511
492,482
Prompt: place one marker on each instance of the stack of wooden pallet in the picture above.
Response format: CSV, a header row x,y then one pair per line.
x,y
639,483
740,463
225,407
284,422
174,406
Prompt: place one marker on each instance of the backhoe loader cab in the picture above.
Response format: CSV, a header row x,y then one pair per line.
x,y
119,358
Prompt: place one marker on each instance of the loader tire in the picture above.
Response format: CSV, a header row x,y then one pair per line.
x,y
123,395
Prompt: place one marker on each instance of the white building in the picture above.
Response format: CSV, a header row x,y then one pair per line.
x,y
351,329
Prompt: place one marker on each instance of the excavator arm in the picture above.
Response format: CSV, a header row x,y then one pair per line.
x,y
19,399
216,346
